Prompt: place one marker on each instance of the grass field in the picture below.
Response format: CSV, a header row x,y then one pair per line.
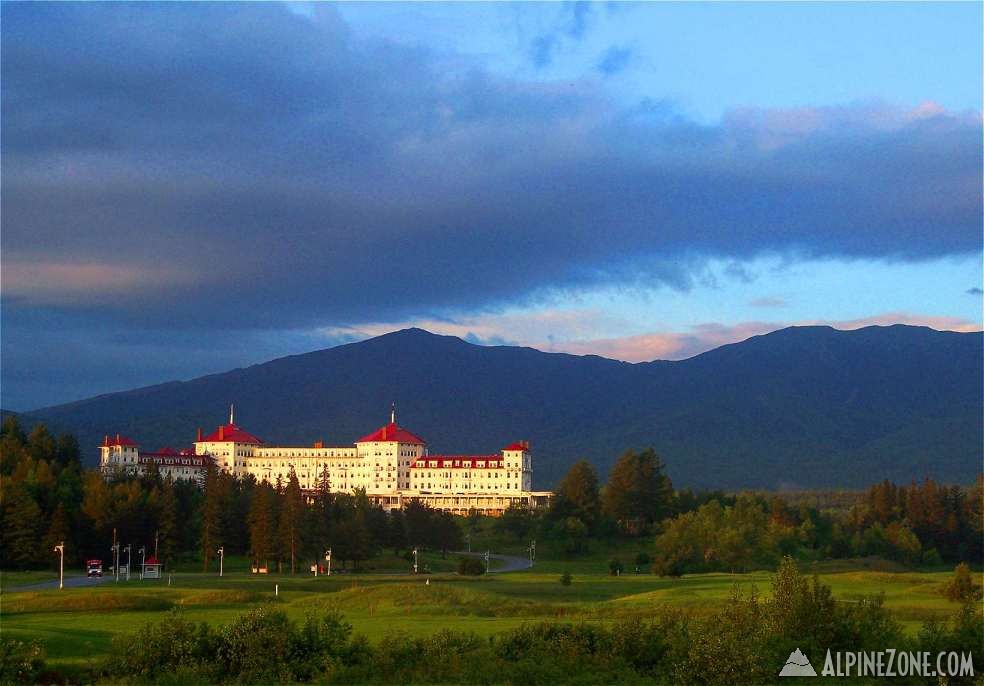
x,y
76,625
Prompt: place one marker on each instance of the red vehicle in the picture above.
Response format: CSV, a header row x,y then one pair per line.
x,y
94,568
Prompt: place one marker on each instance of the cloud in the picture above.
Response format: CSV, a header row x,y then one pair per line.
x,y
61,283
768,301
678,345
541,52
975,291
574,331
206,168
614,60
262,146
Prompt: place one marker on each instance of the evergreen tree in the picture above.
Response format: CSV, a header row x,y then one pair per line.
x,y
637,489
291,516
262,524
59,531
577,493
21,530
397,531
167,534
40,443
210,512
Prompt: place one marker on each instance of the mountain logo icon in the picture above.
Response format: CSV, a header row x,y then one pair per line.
x,y
797,665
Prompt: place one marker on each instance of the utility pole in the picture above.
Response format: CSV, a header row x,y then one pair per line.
x,y
221,552
328,557
116,556
60,549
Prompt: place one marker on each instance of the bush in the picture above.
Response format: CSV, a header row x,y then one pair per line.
x,y
20,663
471,566
615,567
961,588
566,579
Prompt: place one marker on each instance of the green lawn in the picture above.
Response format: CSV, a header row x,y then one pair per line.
x,y
76,625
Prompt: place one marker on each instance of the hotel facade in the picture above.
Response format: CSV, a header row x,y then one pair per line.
x,y
391,464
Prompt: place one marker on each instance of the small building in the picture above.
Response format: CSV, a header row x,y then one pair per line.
x,y
151,568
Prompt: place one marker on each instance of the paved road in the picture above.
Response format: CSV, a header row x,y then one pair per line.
x,y
70,582
509,563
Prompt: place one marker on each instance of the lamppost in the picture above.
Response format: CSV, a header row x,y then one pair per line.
x,y
328,558
488,555
532,552
221,552
468,541
115,549
128,556
60,549
143,556
414,560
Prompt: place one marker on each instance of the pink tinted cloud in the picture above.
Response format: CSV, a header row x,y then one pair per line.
x,y
66,283
700,338
569,331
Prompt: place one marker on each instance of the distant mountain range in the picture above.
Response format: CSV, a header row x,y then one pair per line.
x,y
799,407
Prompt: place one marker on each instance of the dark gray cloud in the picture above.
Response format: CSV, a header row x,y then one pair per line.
x,y
975,291
201,167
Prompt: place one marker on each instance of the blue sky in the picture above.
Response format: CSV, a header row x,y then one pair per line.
x,y
194,187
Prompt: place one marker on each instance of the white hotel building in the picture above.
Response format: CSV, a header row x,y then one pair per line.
x,y
392,465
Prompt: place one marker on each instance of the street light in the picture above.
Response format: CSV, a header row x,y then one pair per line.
x,y
468,541
532,552
414,560
60,549
128,557
488,554
328,557
221,552
115,549
143,556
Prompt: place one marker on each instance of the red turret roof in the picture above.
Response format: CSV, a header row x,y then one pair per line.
x,y
110,441
230,433
518,445
391,433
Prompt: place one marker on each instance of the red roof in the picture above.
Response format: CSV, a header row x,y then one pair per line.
x,y
457,461
230,433
518,445
151,561
110,441
391,433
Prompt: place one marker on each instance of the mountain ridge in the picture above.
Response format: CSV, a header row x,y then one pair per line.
x,y
807,406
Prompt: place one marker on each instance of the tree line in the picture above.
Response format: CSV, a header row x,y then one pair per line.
x,y
47,497
921,523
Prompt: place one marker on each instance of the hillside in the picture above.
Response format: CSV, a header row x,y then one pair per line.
x,y
799,407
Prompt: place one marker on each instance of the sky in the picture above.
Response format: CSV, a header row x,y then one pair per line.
x,y
194,187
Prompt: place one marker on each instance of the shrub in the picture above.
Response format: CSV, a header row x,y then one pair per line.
x,y
471,566
566,579
615,567
20,663
961,588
